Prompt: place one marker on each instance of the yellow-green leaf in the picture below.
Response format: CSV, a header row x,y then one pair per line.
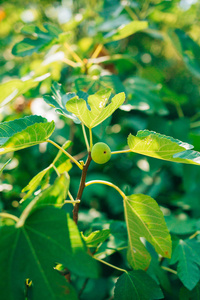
x,y
23,133
95,111
125,30
163,147
144,219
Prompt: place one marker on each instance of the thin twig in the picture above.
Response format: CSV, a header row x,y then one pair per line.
x,y
9,216
83,287
169,270
73,53
66,153
85,137
106,183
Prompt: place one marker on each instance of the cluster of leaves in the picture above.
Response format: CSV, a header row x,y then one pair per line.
x,y
135,67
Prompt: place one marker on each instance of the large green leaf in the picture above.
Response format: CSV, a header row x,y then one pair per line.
x,y
59,100
15,87
144,219
137,285
23,133
83,264
125,30
38,39
30,250
163,147
95,111
186,253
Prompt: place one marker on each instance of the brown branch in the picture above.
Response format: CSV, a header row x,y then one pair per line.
x,y
83,287
81,188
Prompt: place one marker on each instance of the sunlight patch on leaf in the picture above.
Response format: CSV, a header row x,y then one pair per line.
x,y
125,30
163,147
95,110
24,132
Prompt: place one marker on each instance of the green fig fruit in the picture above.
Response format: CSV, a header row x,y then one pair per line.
x,y
101,153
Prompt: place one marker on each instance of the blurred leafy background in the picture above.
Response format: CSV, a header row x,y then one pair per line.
x,y
159,70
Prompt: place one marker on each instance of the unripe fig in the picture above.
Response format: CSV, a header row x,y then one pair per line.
x,y
94,70
100,153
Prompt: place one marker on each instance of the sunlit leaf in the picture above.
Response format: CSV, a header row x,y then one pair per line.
x,y
163,147
23,133
62,164
144,219
15,87
96,237
95,111
61,161
34,183
136,285
125,30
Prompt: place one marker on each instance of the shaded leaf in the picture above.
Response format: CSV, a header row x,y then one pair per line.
x,y
23,255
42,238
59,100
92,84
137,285
143,95
188,49
118,232
163,147
95,111
96,237
158,274
186,294
38,39
186,253
144,219
23,133
113,81
180,224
